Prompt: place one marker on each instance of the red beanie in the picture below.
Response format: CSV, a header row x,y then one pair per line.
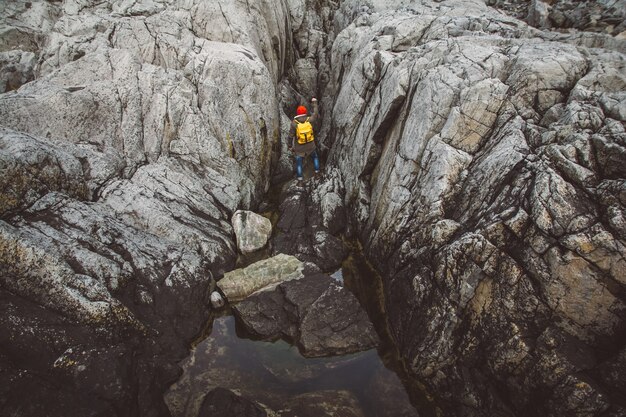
x,y
300,110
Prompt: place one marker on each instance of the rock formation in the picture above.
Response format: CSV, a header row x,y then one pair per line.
x,y
260,276
131,132
311,219
252,230
480,163
319,316
479,159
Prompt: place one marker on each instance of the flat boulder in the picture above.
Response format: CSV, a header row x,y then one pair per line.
x,y
263,275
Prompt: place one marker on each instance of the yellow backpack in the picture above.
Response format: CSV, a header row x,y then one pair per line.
x,y
304,132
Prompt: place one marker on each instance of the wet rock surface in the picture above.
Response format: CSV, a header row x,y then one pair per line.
x,y
278,379
312,217
324,404
321,317
221,402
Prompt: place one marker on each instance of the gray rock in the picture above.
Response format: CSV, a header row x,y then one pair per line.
x,y
134,130
538,14
252,230
16,69
311,218
322,318
479,192
261,276
221,402
31,168
217,301
596,16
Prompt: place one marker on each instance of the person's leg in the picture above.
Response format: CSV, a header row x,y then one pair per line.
x,y
316,160
299,166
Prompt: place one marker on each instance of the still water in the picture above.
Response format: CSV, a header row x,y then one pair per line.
x,y
277,376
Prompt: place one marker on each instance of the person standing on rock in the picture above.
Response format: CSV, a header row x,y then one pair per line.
x,y
302,137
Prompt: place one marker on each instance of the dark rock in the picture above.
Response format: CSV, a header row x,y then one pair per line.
x,y
390,396
323,404
611,372
221,402
321,317
48,367
311,217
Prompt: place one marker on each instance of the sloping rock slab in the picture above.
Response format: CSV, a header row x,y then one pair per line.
x,y
263,275
311,218
322,318
221,402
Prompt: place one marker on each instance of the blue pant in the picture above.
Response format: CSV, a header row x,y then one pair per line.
x,y
299,159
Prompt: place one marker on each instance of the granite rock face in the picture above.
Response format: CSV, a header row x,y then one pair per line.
x,y
608,16
130,134
480,163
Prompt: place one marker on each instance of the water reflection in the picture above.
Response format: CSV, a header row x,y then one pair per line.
x,y
372,383
274,373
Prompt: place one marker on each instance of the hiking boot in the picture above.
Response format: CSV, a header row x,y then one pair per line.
x,y
300,179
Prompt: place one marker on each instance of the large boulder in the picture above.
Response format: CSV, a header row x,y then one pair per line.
x,y
321,317
252,230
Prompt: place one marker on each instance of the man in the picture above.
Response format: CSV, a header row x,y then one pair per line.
x,y
302,137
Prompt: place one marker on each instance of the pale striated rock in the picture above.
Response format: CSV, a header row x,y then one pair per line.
x,y
252,230
479,156
260,276
132,133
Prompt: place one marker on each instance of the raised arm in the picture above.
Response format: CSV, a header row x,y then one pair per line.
x,y
315,114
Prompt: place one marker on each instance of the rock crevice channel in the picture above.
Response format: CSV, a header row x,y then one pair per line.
x,y
475,149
